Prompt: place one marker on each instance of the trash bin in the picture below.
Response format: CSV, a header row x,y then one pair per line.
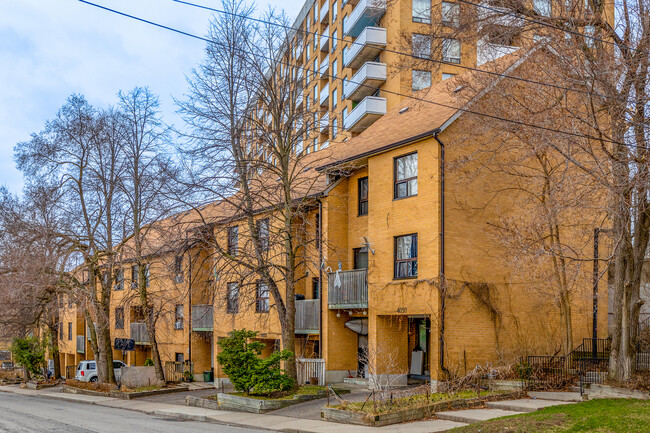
x,y
207,376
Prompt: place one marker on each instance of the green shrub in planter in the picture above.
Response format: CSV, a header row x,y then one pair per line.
x,y
30,353
148,362
240,360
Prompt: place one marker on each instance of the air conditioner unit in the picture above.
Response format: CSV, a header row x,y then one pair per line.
x,y
178,325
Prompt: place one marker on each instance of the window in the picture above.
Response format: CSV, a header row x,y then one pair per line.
x,y
146,275
451,50
421,46
315,95
263,232
422,11
315,68
344,114
363,196
178,316
233,240
542,7
135,270
119,280
335,98
360,259
178,269
335,128
70,331
335,68
406,175
60,330
335,39
450,14
334,11
232,298
315,144
119,318
406,256
447,76
420,80
179,357
315,288
262,304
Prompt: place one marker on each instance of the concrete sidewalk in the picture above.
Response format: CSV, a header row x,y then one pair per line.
x,y
241,419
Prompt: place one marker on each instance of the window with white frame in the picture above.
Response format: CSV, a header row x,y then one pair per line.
x,y
451,50
450,14
421,80
421,46
422,11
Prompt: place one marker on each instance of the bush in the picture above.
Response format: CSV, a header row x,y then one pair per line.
x,y
148,362
248,373
30,353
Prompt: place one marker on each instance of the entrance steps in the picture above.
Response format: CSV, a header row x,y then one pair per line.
x,y
555,395
531,405
473,416
359,381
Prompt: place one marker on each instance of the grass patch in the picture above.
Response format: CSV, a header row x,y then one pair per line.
x,y
597,416
410,402
145,388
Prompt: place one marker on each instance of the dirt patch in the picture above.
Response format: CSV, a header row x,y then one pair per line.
x,y
90,386
640,381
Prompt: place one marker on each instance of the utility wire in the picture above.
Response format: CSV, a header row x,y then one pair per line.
x,y
462,109
401,53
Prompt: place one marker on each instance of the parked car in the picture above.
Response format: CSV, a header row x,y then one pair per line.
x,y
7,365
87,371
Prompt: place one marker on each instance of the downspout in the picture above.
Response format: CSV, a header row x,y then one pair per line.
x,y
441,275
320,278
189,315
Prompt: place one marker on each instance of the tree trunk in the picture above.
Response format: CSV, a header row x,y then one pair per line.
x,y
155,353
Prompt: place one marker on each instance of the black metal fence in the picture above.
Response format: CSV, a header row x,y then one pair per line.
x,y
545,372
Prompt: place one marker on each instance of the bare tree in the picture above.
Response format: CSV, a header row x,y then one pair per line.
x,y
249,126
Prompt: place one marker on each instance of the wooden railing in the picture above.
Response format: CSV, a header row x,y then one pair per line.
x,y
139,333
202,317
310,368
81,344
352,292
307,316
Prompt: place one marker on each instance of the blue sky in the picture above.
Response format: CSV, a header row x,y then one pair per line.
x,y
50,49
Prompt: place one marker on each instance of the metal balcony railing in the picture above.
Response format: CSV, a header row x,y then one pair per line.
x,y
81,344
202,317
307,316
139,333
349,290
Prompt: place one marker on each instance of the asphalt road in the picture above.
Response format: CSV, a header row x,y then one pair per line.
x,y
23,414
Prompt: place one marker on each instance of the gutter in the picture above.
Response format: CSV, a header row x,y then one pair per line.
x,y
441,274
320,278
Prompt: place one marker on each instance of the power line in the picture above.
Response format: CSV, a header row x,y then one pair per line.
x,y
402,53
464,110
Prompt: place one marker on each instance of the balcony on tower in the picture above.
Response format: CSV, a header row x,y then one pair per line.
x,y
366,81
365,114
366,47
366,13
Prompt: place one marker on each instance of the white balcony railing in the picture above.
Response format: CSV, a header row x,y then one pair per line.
x,y
366,13
325,40
324,67
366,47
365,113
324,12
324,123
325,96
366,81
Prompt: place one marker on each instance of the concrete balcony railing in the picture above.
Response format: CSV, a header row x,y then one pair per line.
x,y
365,114
139,333
367,13
325,12
366,47
202,318
307,316
325,96
366,81
325,40
349,291
81,344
